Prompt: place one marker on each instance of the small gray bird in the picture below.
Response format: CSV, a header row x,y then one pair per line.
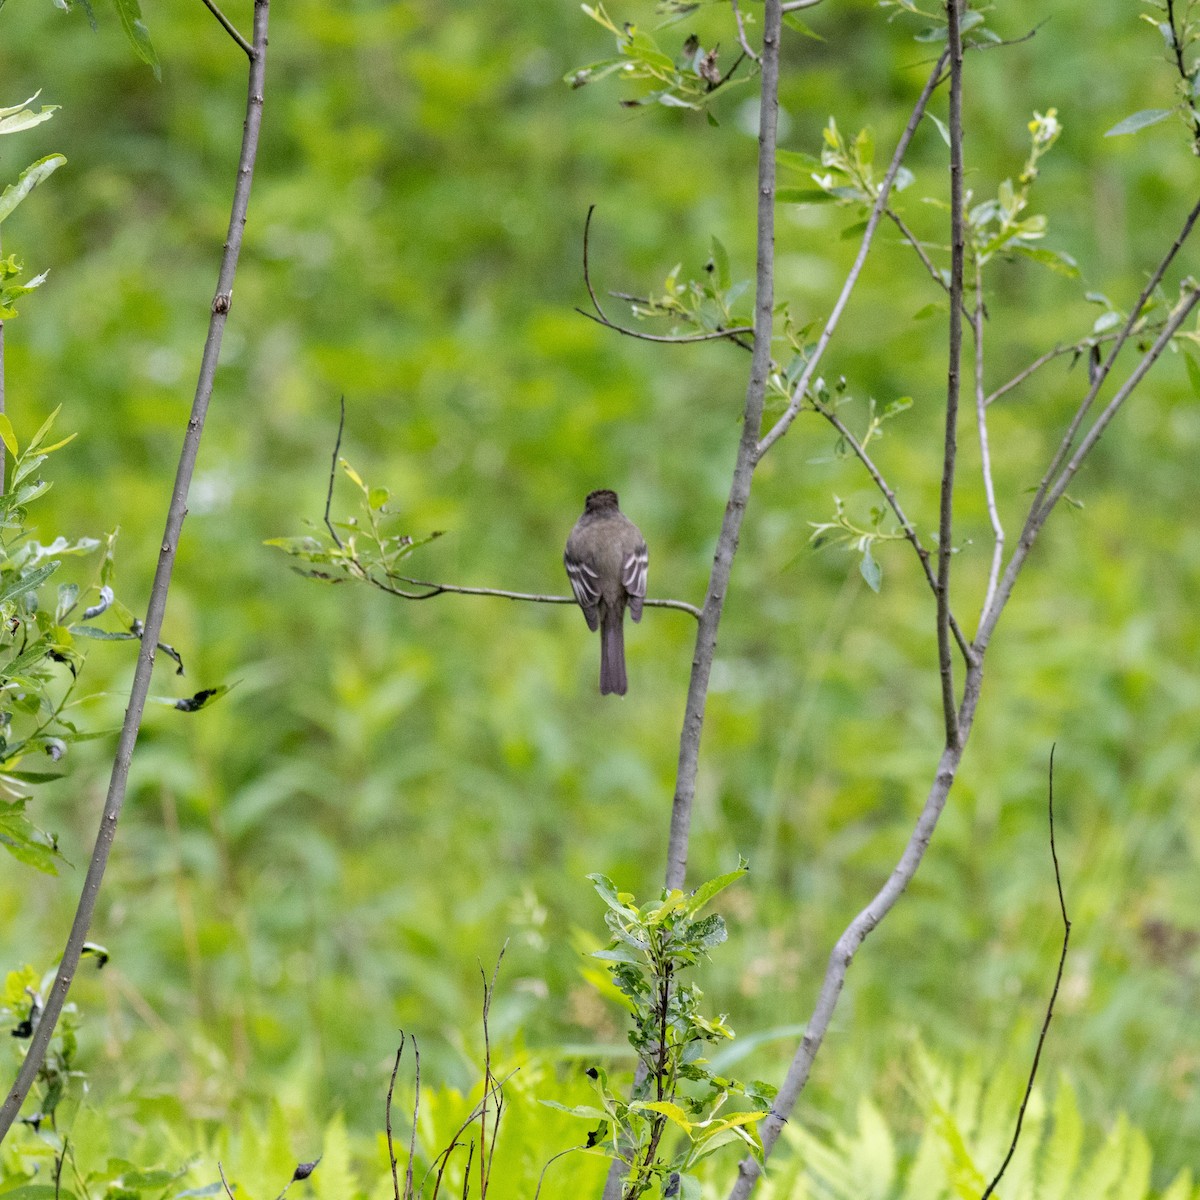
x,y
606,561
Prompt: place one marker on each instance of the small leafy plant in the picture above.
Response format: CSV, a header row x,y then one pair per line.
x,y
674,1118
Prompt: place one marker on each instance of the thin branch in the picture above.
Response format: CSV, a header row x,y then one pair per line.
x,y
906,525
601,318
443,1157
927,262
2,402
224,1181
789,415
741,34
743,472
230,29
985,453
856,933
1181,67
412,1137
1181,313
646,302
337,447
918,843
945,547
912,240
1062,962
484,1159
796,5
1102,374
450,589
158,593
1022,375
553,1159
59,1159
388,1118
1037,517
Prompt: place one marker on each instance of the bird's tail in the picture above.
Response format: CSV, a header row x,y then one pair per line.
x,y
612,652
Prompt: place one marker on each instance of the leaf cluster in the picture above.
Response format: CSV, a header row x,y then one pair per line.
x,y
650,946
370,547
689,79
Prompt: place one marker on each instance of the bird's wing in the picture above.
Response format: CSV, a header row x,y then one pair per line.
x,y
633,575
585,583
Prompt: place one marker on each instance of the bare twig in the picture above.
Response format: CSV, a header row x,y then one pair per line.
x,y
893,500
388,1118
230,29
59,1159
489,991
945,547
2,403
985,453
158,593
451,589
796,5
741,36
224,1181
1106,367
1062,962
1039,362
1180,66
782,425
454,1143
337,447
912,239
601,318
412,1137
550,1161
1037,517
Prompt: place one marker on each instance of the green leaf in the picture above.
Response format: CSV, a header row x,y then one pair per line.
x,y
1056,260
671,1111
706,891
870,569
139,38
26,119
1139,120
793,22
803,196
721,262
7,435
607,891
1193,371
28,582
43,429
27,181
941,127
618,954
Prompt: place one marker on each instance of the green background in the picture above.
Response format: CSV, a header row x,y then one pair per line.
x,y
394,789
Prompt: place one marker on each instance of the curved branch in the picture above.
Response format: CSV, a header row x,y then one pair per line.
x,y
906,525
1062,962
158,593
601,318
782,425
452,589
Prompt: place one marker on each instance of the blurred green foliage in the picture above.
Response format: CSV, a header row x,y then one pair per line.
x,y
395,788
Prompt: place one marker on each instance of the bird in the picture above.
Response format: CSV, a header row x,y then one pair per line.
x,y
607,562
